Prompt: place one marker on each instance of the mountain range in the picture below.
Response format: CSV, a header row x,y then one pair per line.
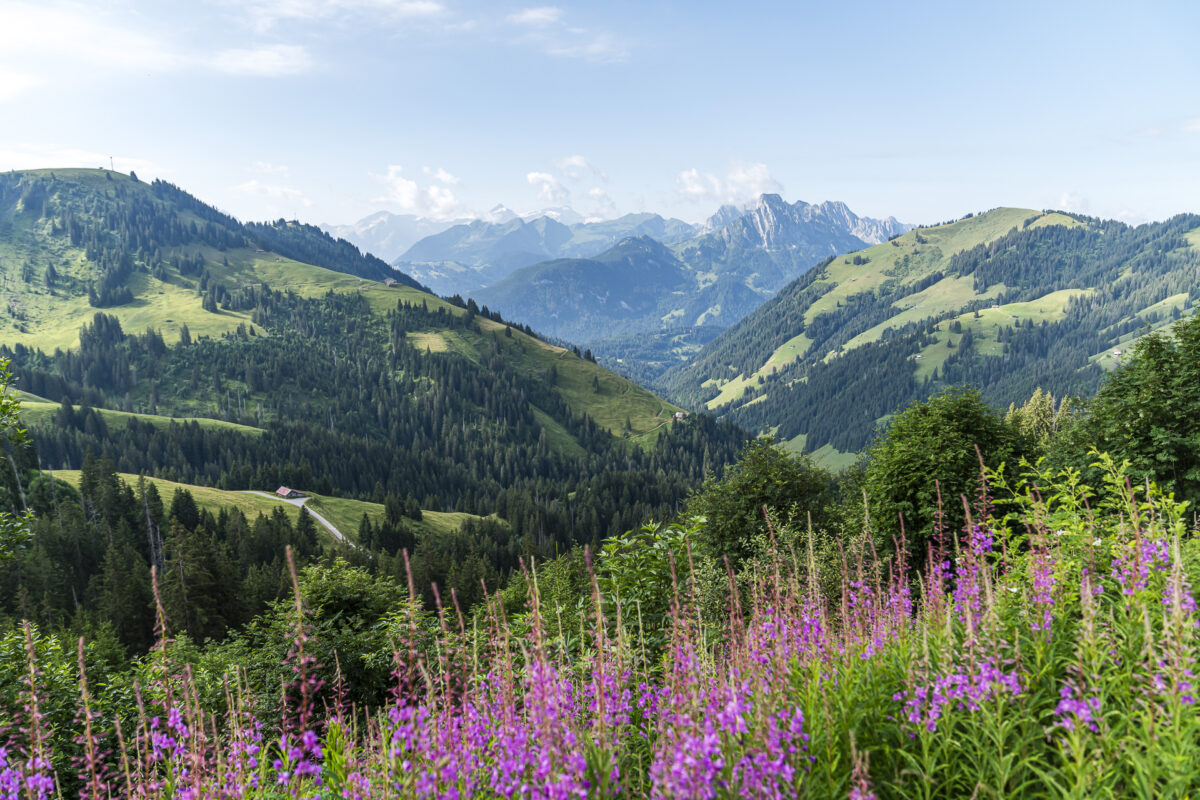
x,y
648,285
1007,300
467,257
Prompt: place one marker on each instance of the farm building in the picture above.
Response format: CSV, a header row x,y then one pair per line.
x,y
290,494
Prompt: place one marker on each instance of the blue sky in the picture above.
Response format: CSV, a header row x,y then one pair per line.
x,y
328,111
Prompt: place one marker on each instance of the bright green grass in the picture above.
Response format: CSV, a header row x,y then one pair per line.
x,y
618,399
986,327
786,353
948,294
830,458
41,413
343,514
559,437
885,261
346,515
826,456
1109,359
206,498
731,390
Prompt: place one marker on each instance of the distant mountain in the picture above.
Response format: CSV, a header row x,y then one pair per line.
x,y
1008,300
573,297
716,278
480,253
387,235
723,216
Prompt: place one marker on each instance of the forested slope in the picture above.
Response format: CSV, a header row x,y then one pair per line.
x,y
1007,301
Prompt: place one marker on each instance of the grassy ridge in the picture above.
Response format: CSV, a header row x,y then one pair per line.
x,y
42,412
49,317
344,514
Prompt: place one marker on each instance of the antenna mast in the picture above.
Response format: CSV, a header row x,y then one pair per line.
x,y
110,165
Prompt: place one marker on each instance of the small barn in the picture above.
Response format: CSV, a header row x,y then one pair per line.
x,y
389,281
289,494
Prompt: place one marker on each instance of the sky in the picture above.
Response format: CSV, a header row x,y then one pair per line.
x,y
329,110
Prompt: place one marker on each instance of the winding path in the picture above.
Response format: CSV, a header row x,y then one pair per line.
x,y
299,503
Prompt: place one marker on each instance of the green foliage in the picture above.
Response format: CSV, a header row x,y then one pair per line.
x,y
931,445
1041,418
14,527
353,621
765,477
1148,412
643,572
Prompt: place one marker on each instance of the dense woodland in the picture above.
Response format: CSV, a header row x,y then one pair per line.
x,y
350,406
1127,268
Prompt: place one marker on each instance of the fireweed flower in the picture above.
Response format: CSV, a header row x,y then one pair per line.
x,y
962,690
1043,590
1136,561
1074,709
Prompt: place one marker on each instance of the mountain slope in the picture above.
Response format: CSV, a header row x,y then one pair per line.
x,y
572,297
1007,300
168,262
131,305
74,241
716,278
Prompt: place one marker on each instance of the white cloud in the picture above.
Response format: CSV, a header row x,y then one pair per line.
x,y
601,47
272,61
275,192
436,200
538,17
549,189
602,205
79,34
27,155
696,185
744,181
577,167
1074,202
441,176
749,180
546,29
13,83
68,37
266,14
1191,125
272,169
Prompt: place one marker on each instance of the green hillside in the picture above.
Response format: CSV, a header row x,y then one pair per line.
x,y
1006,300
53,249
342,513
42,413
181,343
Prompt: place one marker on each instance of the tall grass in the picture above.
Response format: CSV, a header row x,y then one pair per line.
x,y
1046,650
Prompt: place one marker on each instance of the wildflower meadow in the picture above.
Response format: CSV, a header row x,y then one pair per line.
x,y
1046,649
